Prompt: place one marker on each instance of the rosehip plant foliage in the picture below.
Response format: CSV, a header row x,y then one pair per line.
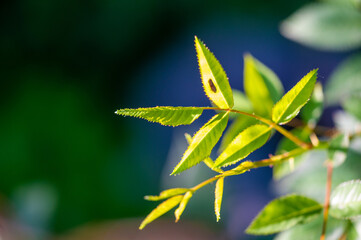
x,y
263,109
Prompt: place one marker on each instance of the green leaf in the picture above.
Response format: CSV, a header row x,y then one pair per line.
x,y
178,212
312,230
214,78
246,142
285,145
352,105
312,111
337,152
160,210
208,161
348,3
169,116
330,27
292,102
218,197
167,194
345,200
241,123
354,231
241,103
203,142
284,213
261,85
344,81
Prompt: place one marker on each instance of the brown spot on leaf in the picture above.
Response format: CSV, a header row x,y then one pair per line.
x,y
212,86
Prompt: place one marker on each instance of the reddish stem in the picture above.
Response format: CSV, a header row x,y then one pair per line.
x,y
327,199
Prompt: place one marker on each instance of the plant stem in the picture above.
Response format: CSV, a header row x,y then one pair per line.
x,y
327,199
202,184
347,228
247,165
280,129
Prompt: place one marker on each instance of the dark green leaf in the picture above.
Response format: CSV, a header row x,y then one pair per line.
x,y
286,145
344,81
353,105
345,200
312,230
246,142
337,152
347,3
214,79
284,213
330,27
292,102
312,111
354,230
203,142
170,116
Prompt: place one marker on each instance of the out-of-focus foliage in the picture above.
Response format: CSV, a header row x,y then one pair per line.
x,y
345,81
328,26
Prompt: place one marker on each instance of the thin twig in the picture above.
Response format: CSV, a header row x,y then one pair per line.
x,y
327,199
248,165
280,129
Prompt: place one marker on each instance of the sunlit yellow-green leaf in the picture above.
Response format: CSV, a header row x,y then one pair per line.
x,y
291,103
207,161
203,142
218,197
178,212
167,194
261,85
284,213
246,142
214,78
160,210
238,125
169,116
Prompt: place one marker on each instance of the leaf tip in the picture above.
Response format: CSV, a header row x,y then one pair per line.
x,y
177,215
247,55
142,225
175,172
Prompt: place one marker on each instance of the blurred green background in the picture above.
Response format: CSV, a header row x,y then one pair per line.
x,y
66,159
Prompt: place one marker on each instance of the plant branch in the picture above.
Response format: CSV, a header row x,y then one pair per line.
x,y
347,228
327,199
204,183
248,165
280,129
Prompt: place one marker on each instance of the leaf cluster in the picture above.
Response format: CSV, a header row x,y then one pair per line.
x,y
255,115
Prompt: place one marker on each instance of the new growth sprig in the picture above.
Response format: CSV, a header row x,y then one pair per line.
x,y
255,115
